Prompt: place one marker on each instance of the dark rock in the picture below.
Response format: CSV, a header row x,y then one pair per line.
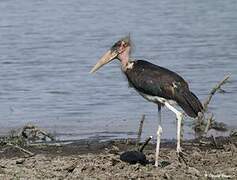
x,y
133,157
20,161
164,164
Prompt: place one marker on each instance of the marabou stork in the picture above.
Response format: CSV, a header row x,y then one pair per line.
x,y
156,84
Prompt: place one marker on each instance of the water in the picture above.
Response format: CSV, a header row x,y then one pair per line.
x,y
47,48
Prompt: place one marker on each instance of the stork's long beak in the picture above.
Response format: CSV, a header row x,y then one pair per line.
x,y
106,58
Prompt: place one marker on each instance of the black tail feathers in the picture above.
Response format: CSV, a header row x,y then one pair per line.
x,y
190,104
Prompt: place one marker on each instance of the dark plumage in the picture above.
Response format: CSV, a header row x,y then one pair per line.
x,y
156,84
154,80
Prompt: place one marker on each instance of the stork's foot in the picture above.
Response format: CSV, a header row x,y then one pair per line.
x,y
178,149
181,155
161,164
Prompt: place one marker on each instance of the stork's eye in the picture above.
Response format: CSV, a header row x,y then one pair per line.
x,y
116,45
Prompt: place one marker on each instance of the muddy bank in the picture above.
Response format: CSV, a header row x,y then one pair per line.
x,y
206,159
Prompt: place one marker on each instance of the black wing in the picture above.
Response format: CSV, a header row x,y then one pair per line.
x,y
154,80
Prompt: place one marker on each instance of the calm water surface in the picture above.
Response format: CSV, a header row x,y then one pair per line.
x,y
47,48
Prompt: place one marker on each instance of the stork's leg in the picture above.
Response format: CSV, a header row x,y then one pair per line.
x,y
159,132
179,117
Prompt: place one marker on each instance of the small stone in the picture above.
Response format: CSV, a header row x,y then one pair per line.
x,y
20,161
193,171
71,167
164,164
83,168
197,156
136,167
166,176
113,150
2,171
114,161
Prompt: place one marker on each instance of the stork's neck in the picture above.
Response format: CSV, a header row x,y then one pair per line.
x,y
124,58
128,65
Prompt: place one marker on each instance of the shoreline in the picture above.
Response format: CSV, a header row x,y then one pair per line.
x,y
95,159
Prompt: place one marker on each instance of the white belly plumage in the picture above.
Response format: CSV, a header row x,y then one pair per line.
x,y
157,99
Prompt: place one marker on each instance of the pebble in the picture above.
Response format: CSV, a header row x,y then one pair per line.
x,y
193,171
20,161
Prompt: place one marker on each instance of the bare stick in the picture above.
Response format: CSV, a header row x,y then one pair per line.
x,y
140,130
71,167
209,122
21,149
213,91
145,143
214,141
201,126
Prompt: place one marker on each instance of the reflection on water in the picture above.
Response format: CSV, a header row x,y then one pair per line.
x,y
48,47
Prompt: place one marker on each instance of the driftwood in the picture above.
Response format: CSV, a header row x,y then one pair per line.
x,y
203,124
33,133
145,143
21,149
28,134
140,130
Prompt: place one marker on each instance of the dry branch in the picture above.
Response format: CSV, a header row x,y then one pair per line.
x,y
140,130
202,124
214,141
213,91
21,149
209,122
145,143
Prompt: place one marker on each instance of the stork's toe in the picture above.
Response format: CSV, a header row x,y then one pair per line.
x,y
181,155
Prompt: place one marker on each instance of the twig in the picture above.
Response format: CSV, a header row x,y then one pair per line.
x,y
182,131
209,122
213,91
71,167
145,143
21,149
140,130
214,141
